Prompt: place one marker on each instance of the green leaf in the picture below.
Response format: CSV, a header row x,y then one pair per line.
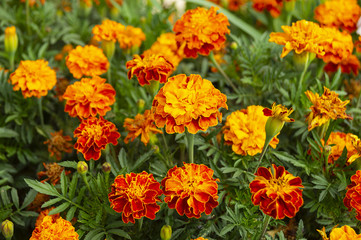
x,y
29,198
50,202
226,229
63,183
60,208
92,233
72,187
69,164
15,197
7,133
141,160
44,188
120,233
70,213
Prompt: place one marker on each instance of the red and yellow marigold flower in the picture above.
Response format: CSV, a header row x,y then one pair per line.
x,y
202,31
235,5
356,153
33,78
190,102
89,97
340,140
52,172
353,194
87,61
151,67
191,190
131,37
142,124
107,31
274,7
135,196
348,65
245,131
58,144
56,229
45,213
342,14
341,233
93,135
325,107
277,192
280,112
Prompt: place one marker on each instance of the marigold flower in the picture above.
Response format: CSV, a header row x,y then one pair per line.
x,y
235,5
274,7
33,2
131,37
58,229
53,172
45,213
135,196
88,60
325,107
89,97
280,112
93,135
110,4
340,140
190,102
33,78
107,31
353,196
277,192
148,68
356,153
245,131
200,238
58,144
38,201
302,36
142,125
7,229
342,14
344,233
353,88
191,190
348,65
202,30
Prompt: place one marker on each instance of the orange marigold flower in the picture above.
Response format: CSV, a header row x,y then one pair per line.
x,y
235,5
341,233
191,190
273,6
277,192
353,194
280,112
148,68
53,172
60,87
339,140
89,97
190,102
358,44
58,144
348,65
88,60
33,78
33,2
142,124
131,37
38,201
342,14
45,213
57,229
202,30
352,88
325,107
356,153
107,31
302,36
245,131
93,135
135,196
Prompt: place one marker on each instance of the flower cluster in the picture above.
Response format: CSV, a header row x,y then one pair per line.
x,y
340,140
344,233
131,37
58,144
58,229
190,102
353,194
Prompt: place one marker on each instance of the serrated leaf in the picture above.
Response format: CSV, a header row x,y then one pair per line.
x,y
141,160
16,219
63,183
44,188
72,187
119,232
60,208
69,164
92,233
29,198
50,202
226,229
15,197
70,213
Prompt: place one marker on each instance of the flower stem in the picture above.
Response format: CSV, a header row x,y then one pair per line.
x,y
109,75
266,221
190,140
302,78
27,12
11,61
40,107
265,146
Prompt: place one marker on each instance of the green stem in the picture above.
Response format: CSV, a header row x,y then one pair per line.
x,y
266,221
165,142
289,18
190,140
40,107
302,78
262,155
27,12
12,61
83,176
109,74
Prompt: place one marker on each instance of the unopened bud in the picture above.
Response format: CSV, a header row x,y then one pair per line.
x,y
166,232
234,45
82,167
106,167
303,58
108,48
7,229
140,104
11,40
155,148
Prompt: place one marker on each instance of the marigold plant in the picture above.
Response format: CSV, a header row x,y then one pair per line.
x,y
86,61
58,143
202,30
55,229
89,97
33,78
130,37
135,196
107,31
93,135
52,172
341,233
353,194
340,140
191,190
277,192
191,102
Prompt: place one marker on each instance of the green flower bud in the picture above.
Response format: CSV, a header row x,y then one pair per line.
x,y
166,232
82,167
7,229
11,40
106,167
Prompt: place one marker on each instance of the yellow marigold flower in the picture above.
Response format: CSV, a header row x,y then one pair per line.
x,y
325,107
340,140
34,78
58,144
245,131
148,68
142,124
302,36
107,31
342,14
341,233
53,172
280,112
88,60
356,143
190,102
131,37
273,6
57,229
202,30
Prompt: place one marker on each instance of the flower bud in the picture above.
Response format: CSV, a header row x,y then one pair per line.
x,y
106,167
166,232
234,45
7,229
82,167
108,48
301,59
156,149
11,40
140,104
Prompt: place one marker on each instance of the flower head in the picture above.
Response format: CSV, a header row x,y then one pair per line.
x,y
33,78
190,102
107,31
53,172
142,124
202,30
45,213
135,196
342,14
325,107
7,229
191,190
58,144
340,141
58,229
245,131
93,135
131,37
89,97
348,65
151,67
272,6
277,192
88,60
356,153
353,194
280,112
